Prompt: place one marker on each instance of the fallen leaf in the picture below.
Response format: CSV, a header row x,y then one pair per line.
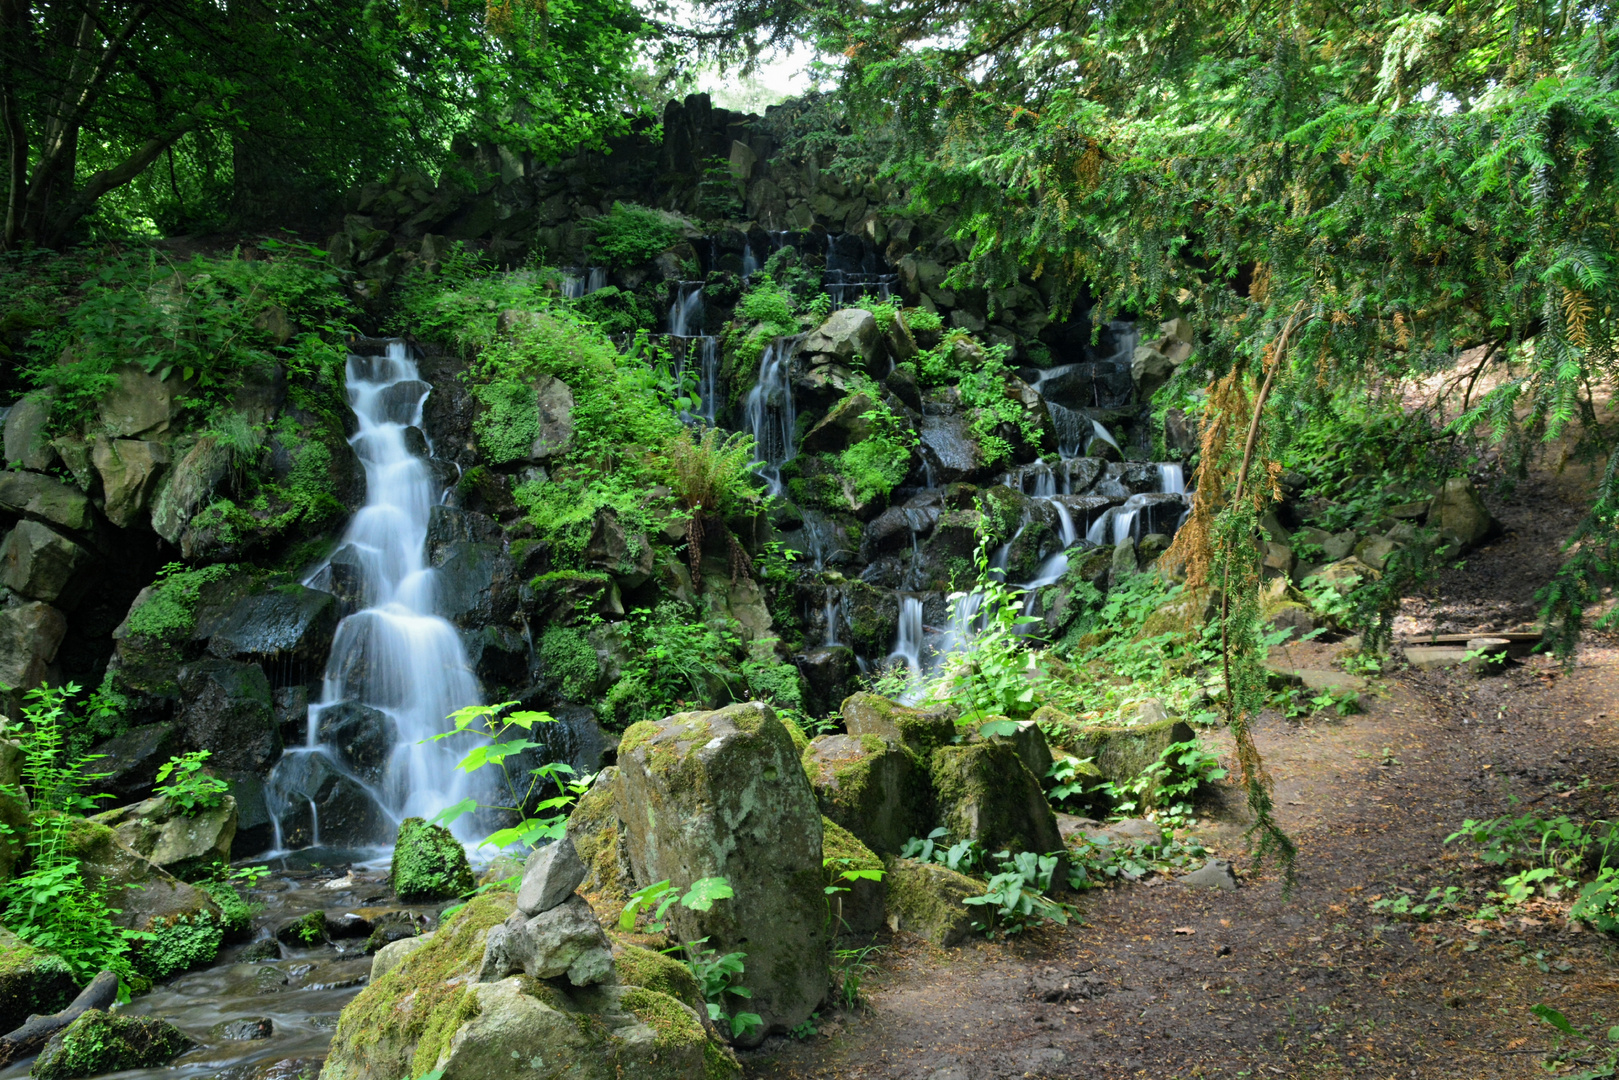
x,y
1184,930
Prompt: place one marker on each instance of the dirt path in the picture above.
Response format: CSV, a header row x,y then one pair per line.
x,y
1164,981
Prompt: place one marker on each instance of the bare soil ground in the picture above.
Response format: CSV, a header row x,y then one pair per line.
x,y
1167,981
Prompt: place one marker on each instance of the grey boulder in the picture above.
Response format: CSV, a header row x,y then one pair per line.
x,y
550,876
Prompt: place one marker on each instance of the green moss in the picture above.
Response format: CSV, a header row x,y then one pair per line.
x,y
236,913
1000,513
848,853
636,735
180,944
926,899
101,1042
391,1017
570,661
616,311
509,421
170,611
774,682
32,980
440,1028
593,827
655,971
429,863
672,1025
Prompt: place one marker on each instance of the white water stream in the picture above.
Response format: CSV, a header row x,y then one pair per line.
x,y
396,655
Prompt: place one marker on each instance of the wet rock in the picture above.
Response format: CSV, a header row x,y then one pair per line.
x,y
344,807
844,423
189,486
226,709
986,794
258,1027
849,336
269,980
262,950
1460,515
362,737
32,980
477,584
563,940
876,788
25,439
49,500
306,931
129,471
184,843
131,760
950,446
392,926
429,863
926,899
41,564
921,730
829,673
722,794
401,402
627,557
30,634
550,876
1214,874
101,1042
287,622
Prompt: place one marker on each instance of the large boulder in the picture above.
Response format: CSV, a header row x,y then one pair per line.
x,y
554,401
477,584
127,764
226,708
32,980
849,336
926,899
874,787
26,442
845,423
922,730
363,737
49,500
829,673
138,403
313,790
722,794
30,634
1460,515
1120,753
129,470
189,486
41,564
986,794
429,863
186,844
13,808
101,1042
951,450
597,835
285,622
426,1010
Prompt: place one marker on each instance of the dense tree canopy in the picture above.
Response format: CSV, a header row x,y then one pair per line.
x,y
263,108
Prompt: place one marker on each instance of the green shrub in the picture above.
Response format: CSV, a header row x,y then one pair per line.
x,y
184,942
923,321
569,660
630,235
874,466
170,612
616,311
509,422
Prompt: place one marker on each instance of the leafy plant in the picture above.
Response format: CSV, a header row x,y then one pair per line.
x,y
1602,1045
718,974
629,235
1095,861
963,856
50,905
849,969
191,788
1165,789
541,816
712,477
656,899
1015,899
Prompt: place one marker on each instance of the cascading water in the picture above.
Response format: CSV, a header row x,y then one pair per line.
x,y
582,281
686,317
770,412
395,657
1171,477
908,644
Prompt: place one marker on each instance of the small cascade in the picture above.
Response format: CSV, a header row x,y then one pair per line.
x,y
770,414
695,349
834,616
750,261
908,643
581,281
1105,435
1171,478
852,272
819,537
396,657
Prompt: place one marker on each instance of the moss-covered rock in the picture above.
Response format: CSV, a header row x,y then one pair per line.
x,y
185,844
102,1042
597,836
1120,753
874,787
425,1011
859,906
32,980
722,794
986,794
656,971
429,863
922,730
926,899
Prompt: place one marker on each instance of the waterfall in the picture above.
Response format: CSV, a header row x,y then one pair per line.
x,y
834,616
750,261
686,316
582,281
908,641
396,656
770,413
1171,478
